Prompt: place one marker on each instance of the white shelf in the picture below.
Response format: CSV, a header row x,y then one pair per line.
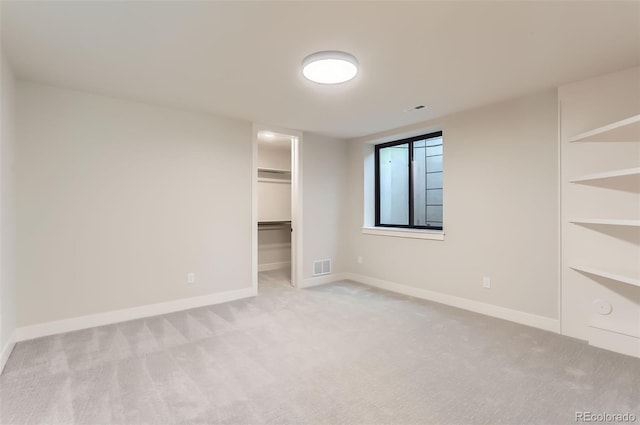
x,y
273,170
627,130
614,276
279,225
609,221
608,174
284,220
268,180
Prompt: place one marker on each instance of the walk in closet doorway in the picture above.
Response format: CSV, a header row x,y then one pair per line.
x,y
277,206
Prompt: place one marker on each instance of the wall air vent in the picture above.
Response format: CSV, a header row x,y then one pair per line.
x,y
321,267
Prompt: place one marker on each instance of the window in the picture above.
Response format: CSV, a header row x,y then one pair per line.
x,y
409,182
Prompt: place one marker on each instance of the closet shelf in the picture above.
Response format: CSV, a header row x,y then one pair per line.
x,y
274,170
626,130
267,222
608,174
268,180
609,221
614,276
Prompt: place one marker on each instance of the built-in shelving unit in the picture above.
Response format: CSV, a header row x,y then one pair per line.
x,y
607,221
626,130
608,174
609,275
599,199
614,328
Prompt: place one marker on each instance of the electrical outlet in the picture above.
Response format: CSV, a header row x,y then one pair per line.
x,y
191,278
360,260
486,282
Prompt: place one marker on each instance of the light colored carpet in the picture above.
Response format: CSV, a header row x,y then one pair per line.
x,y
341,353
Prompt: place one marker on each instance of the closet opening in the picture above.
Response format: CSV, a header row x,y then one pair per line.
x,y
277,207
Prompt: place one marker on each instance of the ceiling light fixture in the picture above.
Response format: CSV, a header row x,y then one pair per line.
x,y
266,135
330,67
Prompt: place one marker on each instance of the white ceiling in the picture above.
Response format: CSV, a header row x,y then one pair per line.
x,y
242,59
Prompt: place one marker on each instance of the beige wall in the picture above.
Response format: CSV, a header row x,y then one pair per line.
x,y
500,210
324,196
7,204
586,105
119,200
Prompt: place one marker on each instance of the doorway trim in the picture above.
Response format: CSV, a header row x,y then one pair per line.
x,y
296,202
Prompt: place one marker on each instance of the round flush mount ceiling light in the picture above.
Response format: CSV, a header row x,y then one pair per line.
x,y
330,67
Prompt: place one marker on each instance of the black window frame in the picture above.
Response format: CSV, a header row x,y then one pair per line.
x,y
410,141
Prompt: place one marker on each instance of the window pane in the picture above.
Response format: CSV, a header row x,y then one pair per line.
x,y
434,150
419,183
434,214
427,182
434,196
435,141
434,163
394,184
434,180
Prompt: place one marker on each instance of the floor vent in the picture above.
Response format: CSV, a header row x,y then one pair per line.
x,y
321,267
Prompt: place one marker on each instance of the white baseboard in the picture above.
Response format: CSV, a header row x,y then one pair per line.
x,y
612,341
273,266
321,280
6,350
516,316
109,317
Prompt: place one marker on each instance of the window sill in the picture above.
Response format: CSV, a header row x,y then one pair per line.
x,y
436,235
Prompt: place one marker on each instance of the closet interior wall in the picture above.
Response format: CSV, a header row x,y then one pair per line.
x,y
274,206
